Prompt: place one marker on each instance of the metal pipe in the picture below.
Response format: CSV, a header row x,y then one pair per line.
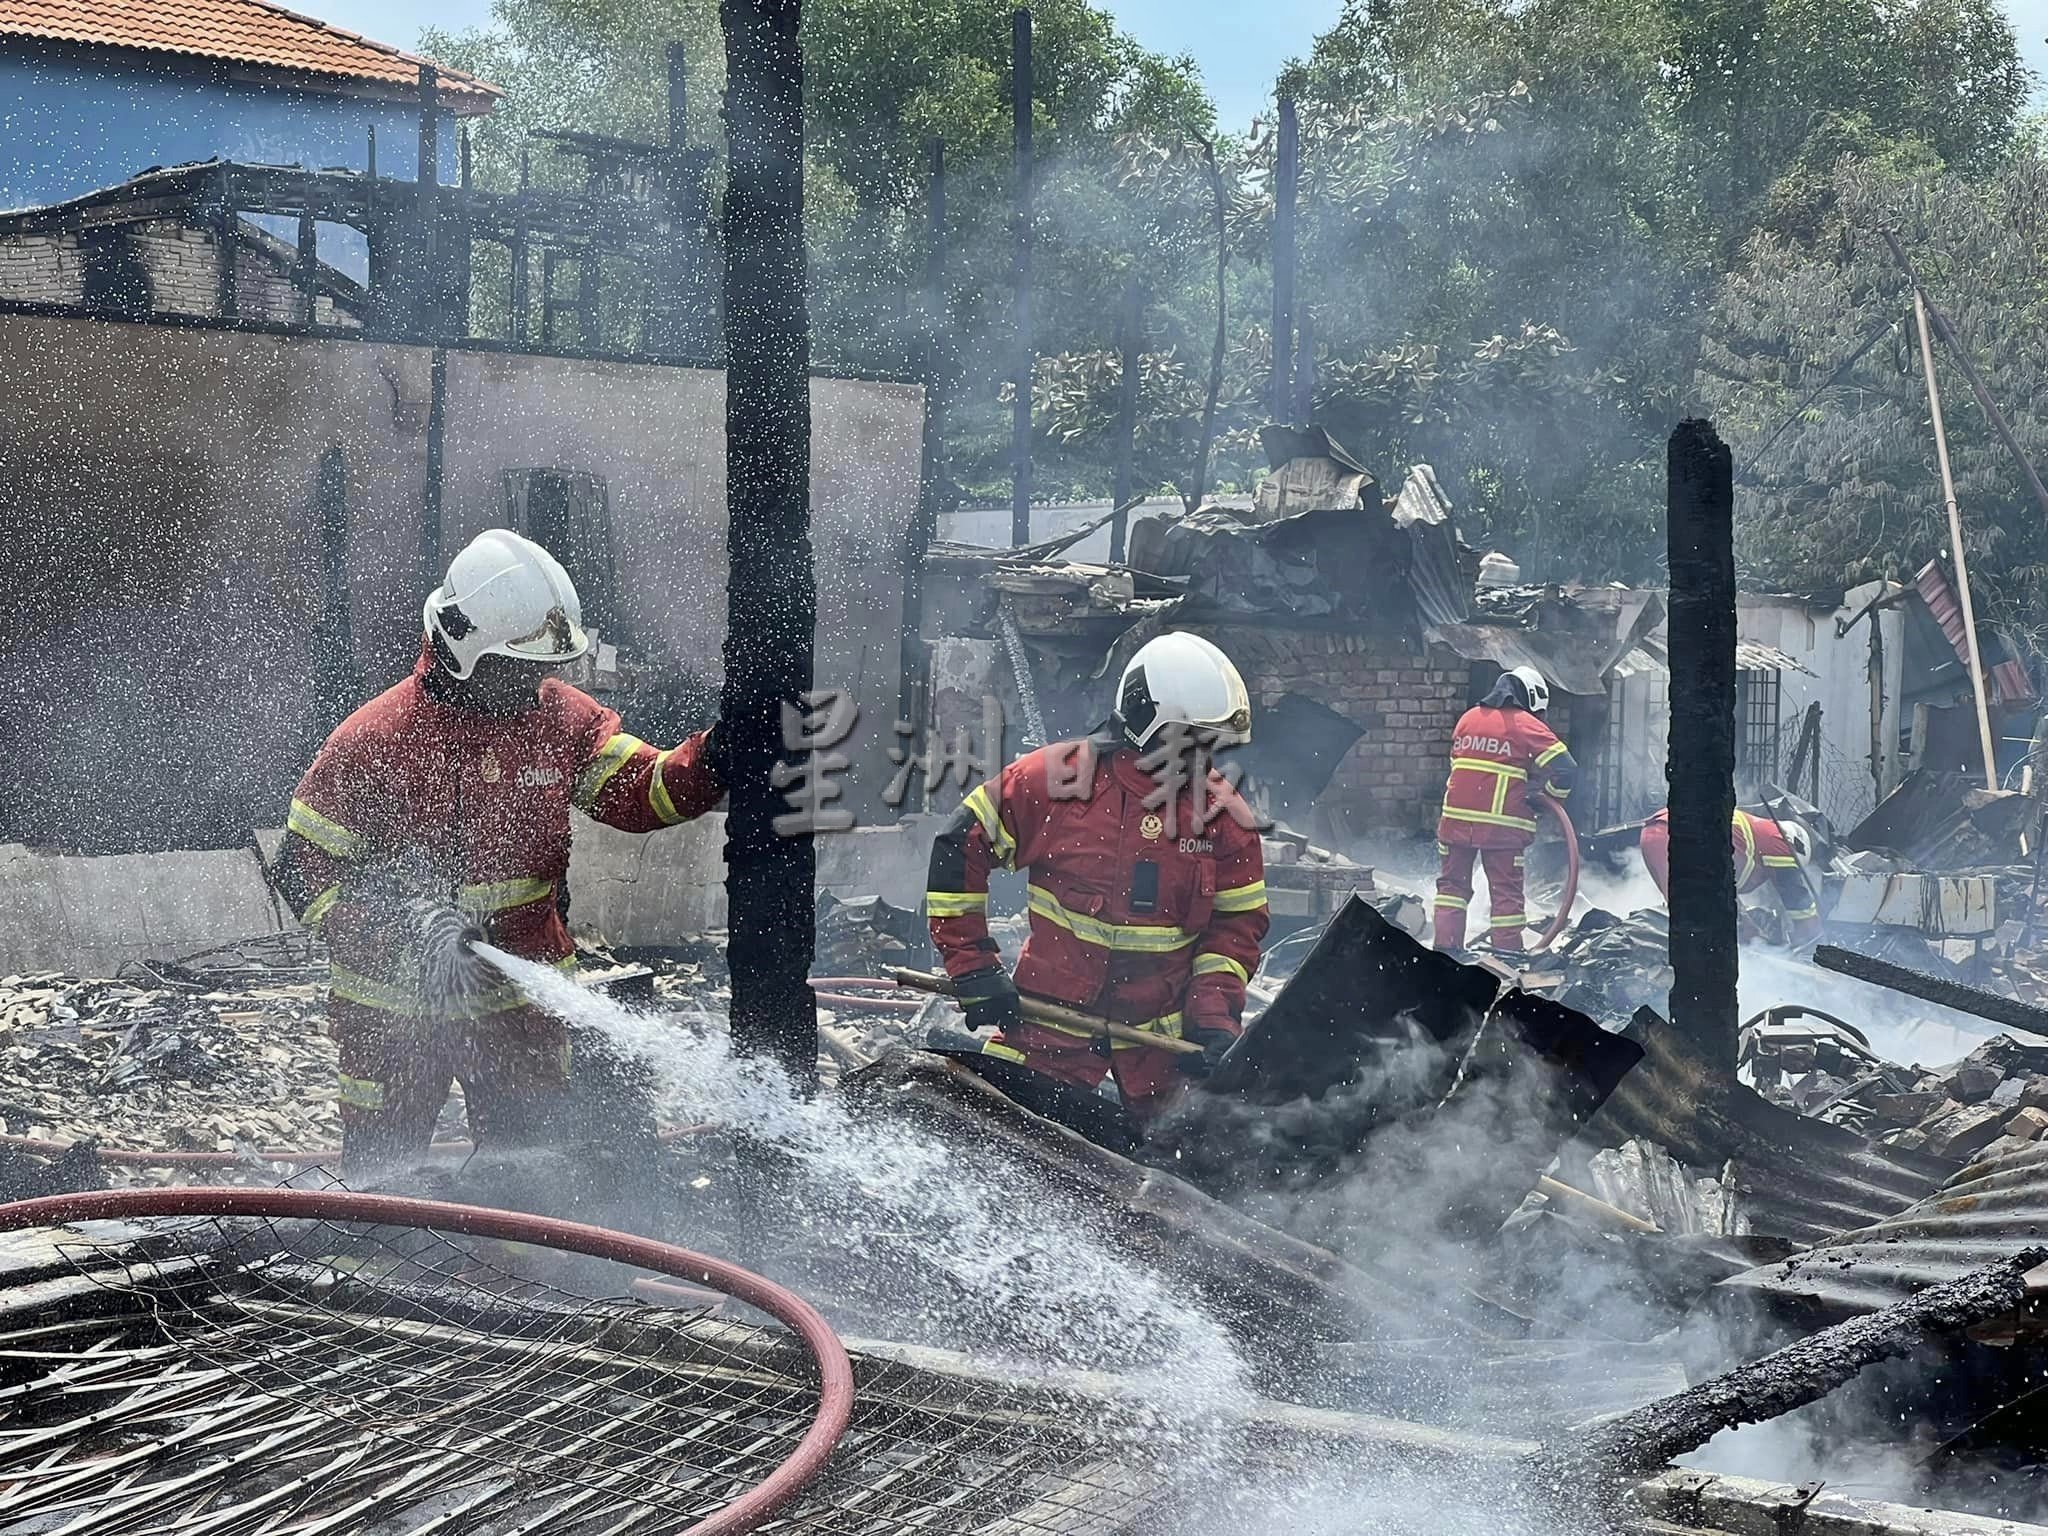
x,y
1131,343
1700,756
1286,180
1020,277
935,367
1955,541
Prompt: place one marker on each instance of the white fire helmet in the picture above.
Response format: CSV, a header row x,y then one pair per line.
x,y
1182,679
1534,689
505,596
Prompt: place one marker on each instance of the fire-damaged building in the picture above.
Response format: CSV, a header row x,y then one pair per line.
x,y
1383,1231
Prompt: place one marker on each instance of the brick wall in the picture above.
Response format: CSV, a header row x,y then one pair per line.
x,y
1408,703
183,264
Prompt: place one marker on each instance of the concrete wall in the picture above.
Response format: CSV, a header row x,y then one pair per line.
x,y
1840,684
159,554
82,119
89,917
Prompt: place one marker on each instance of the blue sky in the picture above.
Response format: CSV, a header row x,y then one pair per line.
x,y
1240,46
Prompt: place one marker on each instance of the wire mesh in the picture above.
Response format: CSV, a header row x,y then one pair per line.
x,y
244,1377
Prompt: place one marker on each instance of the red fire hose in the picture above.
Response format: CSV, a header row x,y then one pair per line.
x,y
1570,894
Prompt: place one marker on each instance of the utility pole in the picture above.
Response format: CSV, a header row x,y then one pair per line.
x,y
1286,181
1020,278
936,368
1700,755
1955,543
771,588
1131,343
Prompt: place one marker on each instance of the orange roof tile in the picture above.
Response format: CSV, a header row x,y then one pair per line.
x,y
253,32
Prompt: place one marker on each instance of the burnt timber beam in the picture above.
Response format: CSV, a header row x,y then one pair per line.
x,y
1700,758
2009,1011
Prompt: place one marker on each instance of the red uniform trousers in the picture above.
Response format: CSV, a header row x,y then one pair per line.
x,y
1147,1078
1504,898
395,1074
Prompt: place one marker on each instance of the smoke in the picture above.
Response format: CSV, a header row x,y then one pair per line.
x,y
1029,1277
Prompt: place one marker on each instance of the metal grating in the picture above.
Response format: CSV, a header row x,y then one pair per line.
x,y
1756,729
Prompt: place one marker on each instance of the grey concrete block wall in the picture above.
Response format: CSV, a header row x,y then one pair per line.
x,y
90,916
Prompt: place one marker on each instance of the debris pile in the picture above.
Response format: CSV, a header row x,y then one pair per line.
x,y
1992,1102
186,1061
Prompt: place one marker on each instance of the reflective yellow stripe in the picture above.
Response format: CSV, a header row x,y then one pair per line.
x,y
391,997
501,895
1556,793
1168,1025
317,907
1458,903
1510,920
329,836
597,773
1142,939
1488,765
1242,898
369,991
1489,818
1781,860
1748,835
983,806
1220,965
1548,753
1002,1052
954,903
359,1092
657,792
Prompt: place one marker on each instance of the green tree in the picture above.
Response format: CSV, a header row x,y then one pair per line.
x,y
1837,478
882,78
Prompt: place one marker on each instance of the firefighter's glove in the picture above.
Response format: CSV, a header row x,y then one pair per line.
x,y
1215,1044
717,754
990,998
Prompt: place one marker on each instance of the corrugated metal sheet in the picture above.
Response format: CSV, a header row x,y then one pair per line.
x,y
1755,656
1793,1178
1988,1211
2007,679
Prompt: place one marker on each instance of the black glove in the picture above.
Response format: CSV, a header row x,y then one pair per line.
x,y
1215,1044
989,997
718,754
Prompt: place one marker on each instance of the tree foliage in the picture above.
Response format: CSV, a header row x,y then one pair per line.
x,y
1849,489
1533,232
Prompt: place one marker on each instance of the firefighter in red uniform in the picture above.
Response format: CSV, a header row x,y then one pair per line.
x,y
1501,754
453,790
1766,849
1147,890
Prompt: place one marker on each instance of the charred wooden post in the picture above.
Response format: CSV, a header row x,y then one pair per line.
x,y
227,236
437,452
1286,180
935,369
1649,1437
522,255
423,284
307,269
771,589
1020,278
1131,344
1700,761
